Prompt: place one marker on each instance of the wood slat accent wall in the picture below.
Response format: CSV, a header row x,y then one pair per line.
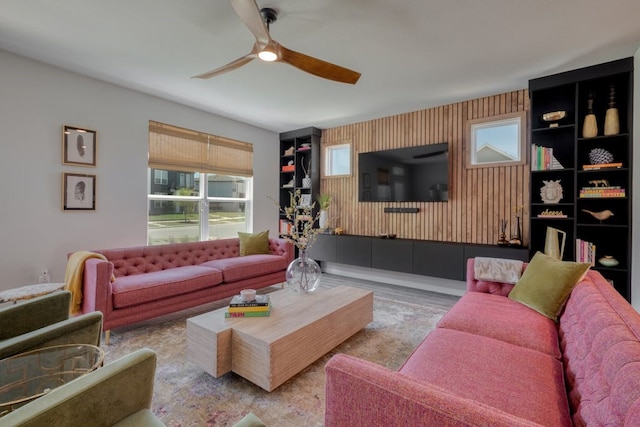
x,y
478,197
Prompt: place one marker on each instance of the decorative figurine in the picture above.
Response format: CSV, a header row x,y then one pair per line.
x,y
611,120
590,126
551,192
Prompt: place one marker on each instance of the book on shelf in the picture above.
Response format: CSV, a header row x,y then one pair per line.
x,y
602,166
595,192
259,301
247,314
542,158
585,251
285,227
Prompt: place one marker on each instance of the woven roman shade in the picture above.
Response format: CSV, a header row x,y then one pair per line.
x,y
180,149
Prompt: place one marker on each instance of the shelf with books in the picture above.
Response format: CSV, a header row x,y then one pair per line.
x,y
583,118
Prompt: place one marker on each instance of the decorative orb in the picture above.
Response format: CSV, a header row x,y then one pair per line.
x,y
599,156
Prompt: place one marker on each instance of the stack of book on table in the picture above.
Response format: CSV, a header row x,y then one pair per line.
x,y
259,307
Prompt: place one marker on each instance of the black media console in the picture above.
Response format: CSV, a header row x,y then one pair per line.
x,y
423,257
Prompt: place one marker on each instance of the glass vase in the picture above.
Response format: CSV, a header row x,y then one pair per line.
x,y
303,274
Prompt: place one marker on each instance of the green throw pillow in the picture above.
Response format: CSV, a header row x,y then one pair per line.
x,y
546,284
257,243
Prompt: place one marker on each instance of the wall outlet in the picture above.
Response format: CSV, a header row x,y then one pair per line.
x,y
44,276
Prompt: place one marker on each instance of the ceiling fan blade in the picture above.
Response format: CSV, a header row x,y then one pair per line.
x,y
250,15
317,67
229,67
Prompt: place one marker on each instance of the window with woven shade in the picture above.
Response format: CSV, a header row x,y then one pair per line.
x,y
199,185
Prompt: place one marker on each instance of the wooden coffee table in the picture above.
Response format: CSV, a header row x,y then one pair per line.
x,y
269,350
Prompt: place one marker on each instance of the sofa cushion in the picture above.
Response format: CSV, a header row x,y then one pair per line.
x,y
256,243
142,288
498,317
517,380
245,267
546,284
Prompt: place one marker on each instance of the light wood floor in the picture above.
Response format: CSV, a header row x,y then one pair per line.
x,y
399,293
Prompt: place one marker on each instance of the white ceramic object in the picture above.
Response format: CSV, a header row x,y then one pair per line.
x,y
608,261
248,295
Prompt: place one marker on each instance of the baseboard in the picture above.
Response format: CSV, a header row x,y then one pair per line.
x,y
427,283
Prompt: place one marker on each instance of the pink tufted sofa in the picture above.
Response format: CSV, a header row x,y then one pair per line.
x,y
494,362
155,280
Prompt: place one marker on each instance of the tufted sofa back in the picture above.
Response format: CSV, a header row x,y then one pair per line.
x,y
599,336
145,259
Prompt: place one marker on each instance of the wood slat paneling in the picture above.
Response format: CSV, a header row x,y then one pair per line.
x,y
478,197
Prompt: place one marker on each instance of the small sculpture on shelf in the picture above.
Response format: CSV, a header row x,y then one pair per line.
x,y
516,237
590,126
551,191
600,216
502,240
306,181
599,156
611,119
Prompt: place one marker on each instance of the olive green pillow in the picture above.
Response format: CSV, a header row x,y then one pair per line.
x,y
254,243
546,284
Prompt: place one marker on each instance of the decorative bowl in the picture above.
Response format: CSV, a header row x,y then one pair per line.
x,y
554,116
608,261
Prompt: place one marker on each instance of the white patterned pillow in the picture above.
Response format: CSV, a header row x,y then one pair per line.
x,y
497,269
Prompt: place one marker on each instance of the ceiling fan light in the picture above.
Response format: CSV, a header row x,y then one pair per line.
x,y
267,55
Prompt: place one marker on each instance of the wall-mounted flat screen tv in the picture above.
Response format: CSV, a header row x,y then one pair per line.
x,y
410,174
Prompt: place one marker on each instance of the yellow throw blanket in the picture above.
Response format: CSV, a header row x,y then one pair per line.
x,y
74,276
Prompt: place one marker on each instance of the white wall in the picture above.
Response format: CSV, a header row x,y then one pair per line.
x,y
36,100
635,231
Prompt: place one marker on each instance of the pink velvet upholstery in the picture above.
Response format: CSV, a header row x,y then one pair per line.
x,y
490,362
495,316
155,280
600,338
492,372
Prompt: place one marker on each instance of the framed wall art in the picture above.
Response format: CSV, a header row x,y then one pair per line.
x,y
79,146
78,192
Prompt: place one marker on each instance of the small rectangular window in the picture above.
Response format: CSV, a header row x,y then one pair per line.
x,y
496,141
337,160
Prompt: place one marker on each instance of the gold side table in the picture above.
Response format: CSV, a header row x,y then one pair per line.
x,y
27,376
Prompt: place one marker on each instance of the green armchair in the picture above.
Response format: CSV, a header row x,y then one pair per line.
x,y
118,394
44,321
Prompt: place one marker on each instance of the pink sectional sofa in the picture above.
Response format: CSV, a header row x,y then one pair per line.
x,y
492,361
155,280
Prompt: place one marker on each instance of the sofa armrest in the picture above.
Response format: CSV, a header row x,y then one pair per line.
x,y
104,397
476,285
33,314
360,393
282,247
96,287
83,329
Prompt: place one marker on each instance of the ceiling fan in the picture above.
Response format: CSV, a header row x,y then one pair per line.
x,y
269,50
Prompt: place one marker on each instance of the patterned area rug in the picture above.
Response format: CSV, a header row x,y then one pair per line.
x,y
185,395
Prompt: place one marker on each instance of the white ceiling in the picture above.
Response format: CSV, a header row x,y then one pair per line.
x,y
412,54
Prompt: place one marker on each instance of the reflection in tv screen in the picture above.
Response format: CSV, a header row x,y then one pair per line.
x,y
410,174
